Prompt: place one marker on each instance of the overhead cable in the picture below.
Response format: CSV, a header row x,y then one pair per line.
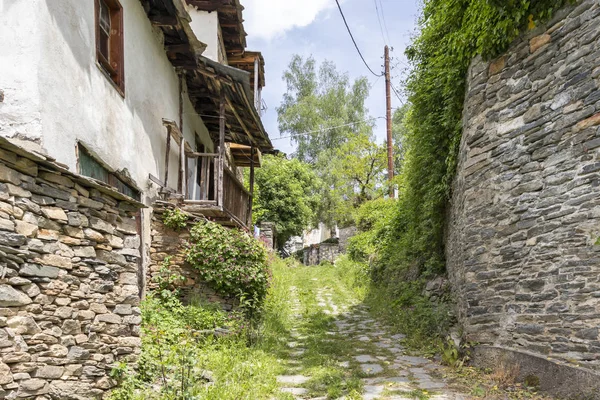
x,y
354,41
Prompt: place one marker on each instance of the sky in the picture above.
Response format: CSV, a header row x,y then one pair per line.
x,y
282,28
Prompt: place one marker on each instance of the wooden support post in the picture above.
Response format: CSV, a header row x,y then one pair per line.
x,y
167,157
221,147
182,187
256,82
251,186
388,101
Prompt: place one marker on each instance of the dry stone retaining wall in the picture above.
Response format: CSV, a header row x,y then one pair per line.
x,y
167,242
69,292
525,212
317,253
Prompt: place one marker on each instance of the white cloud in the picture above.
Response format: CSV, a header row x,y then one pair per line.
x,y
267,19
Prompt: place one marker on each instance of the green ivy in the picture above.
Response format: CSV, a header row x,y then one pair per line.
x,y
231,262
175,219
451,34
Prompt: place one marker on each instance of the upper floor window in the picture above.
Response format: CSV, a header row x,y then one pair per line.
x,y
109,40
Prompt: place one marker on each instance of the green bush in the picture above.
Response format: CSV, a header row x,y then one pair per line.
x,y
373,221
451,34
231,262
175,218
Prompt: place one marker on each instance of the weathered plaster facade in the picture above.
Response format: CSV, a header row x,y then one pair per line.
x,y
56,94
525,211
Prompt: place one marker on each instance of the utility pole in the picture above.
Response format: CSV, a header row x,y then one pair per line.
x,y
388,99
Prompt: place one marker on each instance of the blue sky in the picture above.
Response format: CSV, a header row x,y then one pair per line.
x,y
281,28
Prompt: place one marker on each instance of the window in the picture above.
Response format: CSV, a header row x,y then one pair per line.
x,y
109,41
90,166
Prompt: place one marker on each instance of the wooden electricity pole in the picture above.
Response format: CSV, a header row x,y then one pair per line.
x,y
388,99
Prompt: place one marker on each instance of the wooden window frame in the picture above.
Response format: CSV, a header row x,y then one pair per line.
x,y
103,172
114,66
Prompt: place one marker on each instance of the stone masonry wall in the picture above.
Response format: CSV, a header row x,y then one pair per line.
x,y
167,242
69,293
525,212
317,253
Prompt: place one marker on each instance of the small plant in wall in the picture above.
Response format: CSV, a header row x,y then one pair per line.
x,y
231,262
175,219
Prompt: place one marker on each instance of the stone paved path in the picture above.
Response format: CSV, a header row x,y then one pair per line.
x,y
387,371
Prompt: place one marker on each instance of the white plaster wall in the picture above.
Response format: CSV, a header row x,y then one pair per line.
x,y
206,27
66,98
317,235
19,57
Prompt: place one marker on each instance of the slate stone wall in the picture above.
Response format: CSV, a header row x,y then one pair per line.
x,y
317,253
344,235
167,242
268,234
69,292
525,211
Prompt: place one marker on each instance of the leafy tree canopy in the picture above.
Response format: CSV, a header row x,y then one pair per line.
x,y
287,192
318,99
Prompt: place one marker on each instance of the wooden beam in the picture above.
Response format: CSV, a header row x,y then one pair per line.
x,y
167,156
239,119
221,147
163,20
251,186
179,48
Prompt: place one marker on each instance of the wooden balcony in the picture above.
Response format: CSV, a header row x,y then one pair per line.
x,y
220,197
213,191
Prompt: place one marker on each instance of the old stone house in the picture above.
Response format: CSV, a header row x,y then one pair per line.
x,y
106,108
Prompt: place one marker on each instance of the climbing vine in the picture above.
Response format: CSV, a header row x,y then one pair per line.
x,y
231,262
452,33
175,219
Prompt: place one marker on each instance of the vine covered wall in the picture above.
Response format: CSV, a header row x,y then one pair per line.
x,y
525,211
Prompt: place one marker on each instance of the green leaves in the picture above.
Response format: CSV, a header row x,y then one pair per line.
x,y
231,262
175,219
287,194
451,34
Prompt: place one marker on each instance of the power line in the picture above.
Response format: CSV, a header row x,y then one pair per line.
x,y
383,18
354,41
327,129
379,20
397,95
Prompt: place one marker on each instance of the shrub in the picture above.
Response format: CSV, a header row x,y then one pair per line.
x,y
451,34
231,262
175,219
373,221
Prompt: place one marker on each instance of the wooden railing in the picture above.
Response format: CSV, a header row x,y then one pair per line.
x,y
236,198
206,178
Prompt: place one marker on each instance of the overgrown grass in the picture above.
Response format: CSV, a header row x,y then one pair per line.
x,y
180,360
401,305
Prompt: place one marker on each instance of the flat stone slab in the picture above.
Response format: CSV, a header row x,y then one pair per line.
x,y
426,384
413,360
293,379
371,368
295,391
372,392
364,339
364,358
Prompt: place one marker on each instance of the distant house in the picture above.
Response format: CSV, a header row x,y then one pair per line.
x,y
156,98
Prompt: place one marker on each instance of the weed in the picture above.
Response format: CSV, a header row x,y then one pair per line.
x,y
505,374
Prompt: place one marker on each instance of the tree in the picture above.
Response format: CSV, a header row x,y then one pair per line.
x,y
359,167
324,112
287,192
316,101
399,135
